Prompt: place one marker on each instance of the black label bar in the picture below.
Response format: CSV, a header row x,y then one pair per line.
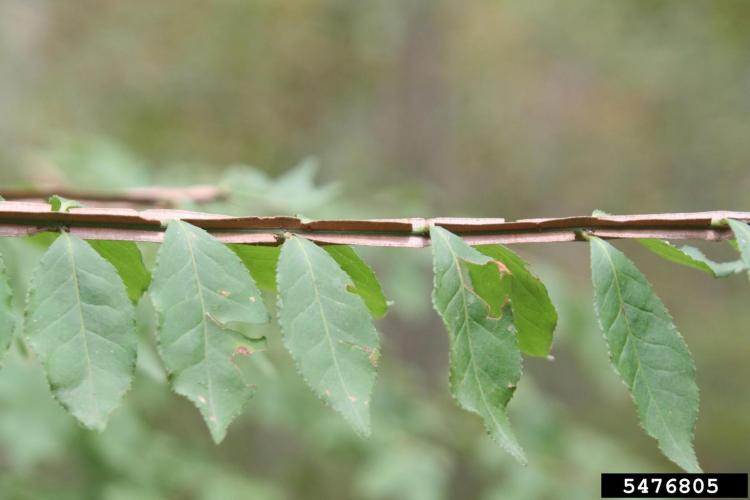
x,y
722,485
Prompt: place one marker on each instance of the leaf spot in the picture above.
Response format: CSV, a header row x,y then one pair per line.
x,y
241,350
502,267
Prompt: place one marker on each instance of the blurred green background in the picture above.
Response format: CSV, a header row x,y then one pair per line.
x,y
419,108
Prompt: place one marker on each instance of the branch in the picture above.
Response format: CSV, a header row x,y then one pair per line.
x,y
162,196
21,219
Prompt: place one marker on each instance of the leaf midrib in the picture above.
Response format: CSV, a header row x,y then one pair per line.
x,y
328,333
456,262
621,302
199,286
82,331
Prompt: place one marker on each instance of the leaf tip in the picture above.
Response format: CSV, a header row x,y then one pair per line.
x,y
218,433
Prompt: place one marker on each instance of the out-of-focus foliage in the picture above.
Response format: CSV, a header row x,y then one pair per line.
x,y
511,109
541,101
295,191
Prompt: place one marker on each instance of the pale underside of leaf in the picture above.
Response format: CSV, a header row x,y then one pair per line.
x,y
485,363
81,324
692,257
201,291
647,351
328,330
742,235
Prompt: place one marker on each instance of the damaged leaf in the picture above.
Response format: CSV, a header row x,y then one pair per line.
x,y
365,282
485,361
534,314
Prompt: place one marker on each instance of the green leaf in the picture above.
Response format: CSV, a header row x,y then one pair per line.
x,y
201,292
647,351
485,363
261,261
742,234
7,318
127,259
60,204
298,186
366,284
328,330
34,429
43,239
691,257
82,326
534,314
92,162
492,284
293,192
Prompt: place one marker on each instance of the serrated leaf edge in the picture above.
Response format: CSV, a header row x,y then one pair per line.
x,y
516,451
592,240
362,430
132,367
217,435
